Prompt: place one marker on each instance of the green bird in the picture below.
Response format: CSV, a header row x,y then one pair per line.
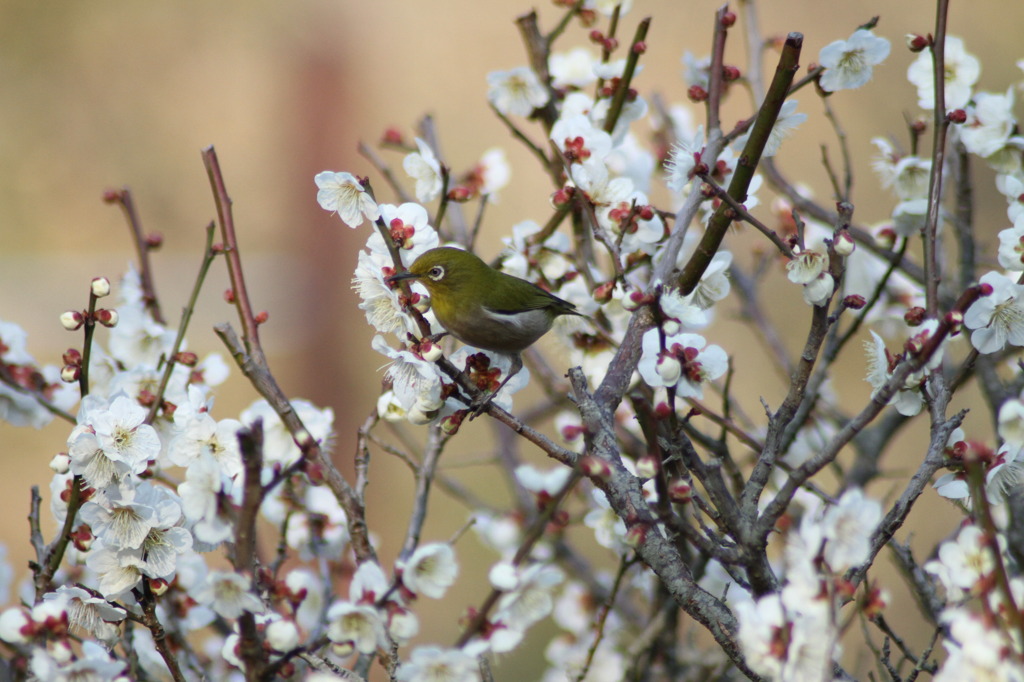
x,y
483,307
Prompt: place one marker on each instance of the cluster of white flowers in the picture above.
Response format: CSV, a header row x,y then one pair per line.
x,y
159,491
794,634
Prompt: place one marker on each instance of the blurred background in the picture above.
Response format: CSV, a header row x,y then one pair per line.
x,y
121,93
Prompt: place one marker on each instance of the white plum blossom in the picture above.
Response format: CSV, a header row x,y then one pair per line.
x,y
964,562
379,300
111,441
714,284
847,527
119,571
88,614
229,594
342,193
680,312
353,627
990,123
1011,186
409,226
997,319
907,175
810,269
516,92
684,363
881,363
198,433
542,483
683,159
416,383
202,491
278,443
976,650
849,63
574,68
961,73
529,599
1011,246
430,570
433,664
580,140
1010,423
423,167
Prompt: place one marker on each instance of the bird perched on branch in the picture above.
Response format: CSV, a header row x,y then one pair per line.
x,y
483,307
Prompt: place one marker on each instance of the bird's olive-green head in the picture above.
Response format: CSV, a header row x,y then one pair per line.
x,y
481,306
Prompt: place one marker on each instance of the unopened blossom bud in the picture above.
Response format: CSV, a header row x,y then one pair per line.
x,y
595,467
562,197
610,44
916,42
668,368
662,410
728,19
450,424
261,317
229,295
854,302
70,374
957,116
639,47
100,287
680,491
107,317
671,327
158,586
915,316
955,320
730,73
154,241
282,635
460,194
430,351
886,238
844,244
392,135
596,36
187,358
82,538
636,299
72,320
875,601
60,463
72,356
112,196
647,467
421,303
697,94
636,535
603,292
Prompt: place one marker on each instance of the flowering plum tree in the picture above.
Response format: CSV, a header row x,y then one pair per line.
x,y
663,499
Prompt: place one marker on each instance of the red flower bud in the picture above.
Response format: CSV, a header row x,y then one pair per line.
x,y
915,316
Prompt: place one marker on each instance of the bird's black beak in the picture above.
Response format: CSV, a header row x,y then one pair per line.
x,y
400,276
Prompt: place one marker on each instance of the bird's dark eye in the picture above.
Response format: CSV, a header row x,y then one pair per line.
x,y
435,273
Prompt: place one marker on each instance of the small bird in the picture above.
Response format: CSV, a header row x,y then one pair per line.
x,y
483,307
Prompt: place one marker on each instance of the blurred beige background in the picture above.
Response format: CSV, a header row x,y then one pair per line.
x,y
98,95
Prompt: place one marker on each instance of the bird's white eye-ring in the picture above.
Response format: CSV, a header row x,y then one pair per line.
x,y
436,273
